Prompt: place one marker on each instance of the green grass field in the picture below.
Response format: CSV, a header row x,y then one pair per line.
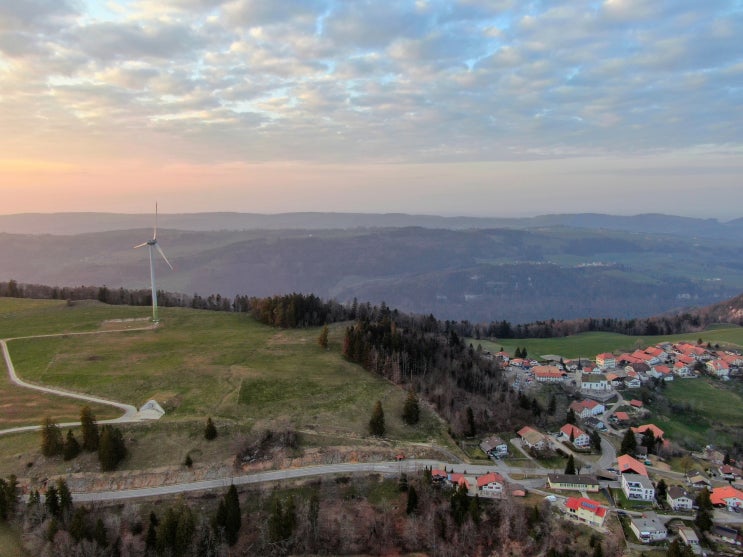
x,y
588,345
200,363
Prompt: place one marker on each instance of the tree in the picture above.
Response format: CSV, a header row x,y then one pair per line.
x,y
570,417
64,499
648,440
90,429
111,448
596,441
411,410
471,430
71,447
233,521
322,340
412,505
210,431
51,501
570,466
661,489
51,438
552,406
188,461
629,443
376,423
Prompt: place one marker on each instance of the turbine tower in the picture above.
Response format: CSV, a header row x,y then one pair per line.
x,y
153,244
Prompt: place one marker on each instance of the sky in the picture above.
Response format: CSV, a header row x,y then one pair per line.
x,y
473,107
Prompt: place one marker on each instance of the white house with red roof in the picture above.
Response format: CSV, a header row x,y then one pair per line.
x,y
491,485
587,408
657,432
533,439
719,368
548,374
629,465
661,371
606,360
727,496
586,510
579,437
594,382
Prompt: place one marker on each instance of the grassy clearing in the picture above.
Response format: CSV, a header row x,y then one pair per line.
x,y
587,345
226,365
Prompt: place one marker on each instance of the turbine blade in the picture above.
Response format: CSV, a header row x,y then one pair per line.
x,y
154,235
163,254
141,245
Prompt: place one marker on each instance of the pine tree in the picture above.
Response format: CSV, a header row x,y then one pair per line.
x,y
570,466
51,438
90,429
64,499
210,431
376,423
322,340
100,535
411,410
629,443
596,441
71,447
111,448
51,501
233,520
570,417
412,505
471,430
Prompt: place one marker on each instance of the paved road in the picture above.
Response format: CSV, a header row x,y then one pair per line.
x,y
130,412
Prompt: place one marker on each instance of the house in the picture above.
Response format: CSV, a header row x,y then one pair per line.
x,y
628,465
690,538
679,499
533,439
548,374
575,435
573,482
494,446
683,370
718,368
730,473
632,382
606,360
657,432
587,408
438,476
491,485
459,479
594,382
661,372
634,403
727,496
622,417
699,482
648,528
727,534
594,423
637,487
586,510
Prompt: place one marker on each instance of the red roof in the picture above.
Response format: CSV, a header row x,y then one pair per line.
x,y
665,370
636,403
605,356
720,494
626,463
590,404
490,478
567,429
575,503
439,473
657,432
622,416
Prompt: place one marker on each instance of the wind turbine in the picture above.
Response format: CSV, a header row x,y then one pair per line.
x,y
153,244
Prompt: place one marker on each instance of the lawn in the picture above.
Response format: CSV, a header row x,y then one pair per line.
x,y
587,345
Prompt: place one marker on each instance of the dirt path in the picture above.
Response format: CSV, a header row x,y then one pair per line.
x,y
131,414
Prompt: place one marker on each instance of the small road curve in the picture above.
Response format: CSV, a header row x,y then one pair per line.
x,y
130,412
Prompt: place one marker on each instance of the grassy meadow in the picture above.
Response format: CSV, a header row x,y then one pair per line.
x,y
200,363
588,345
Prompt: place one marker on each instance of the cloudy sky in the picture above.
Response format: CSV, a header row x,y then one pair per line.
x,y
475,107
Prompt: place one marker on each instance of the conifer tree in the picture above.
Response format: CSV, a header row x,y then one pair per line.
x,y
629,443
412,504
570,466
322,340
51,438
111,448
90,429
411,410
376,423
71,447
210,431
233,520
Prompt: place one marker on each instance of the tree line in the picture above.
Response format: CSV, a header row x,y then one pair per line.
x,y
307,310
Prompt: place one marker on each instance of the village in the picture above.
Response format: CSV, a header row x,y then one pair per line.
x,y
615,453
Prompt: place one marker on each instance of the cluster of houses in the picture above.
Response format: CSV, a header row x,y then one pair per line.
x,y
491,485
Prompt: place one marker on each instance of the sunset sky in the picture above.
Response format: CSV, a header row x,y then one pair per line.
x,y
477,107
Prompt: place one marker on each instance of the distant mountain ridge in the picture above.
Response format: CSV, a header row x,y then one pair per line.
x,y
80,223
